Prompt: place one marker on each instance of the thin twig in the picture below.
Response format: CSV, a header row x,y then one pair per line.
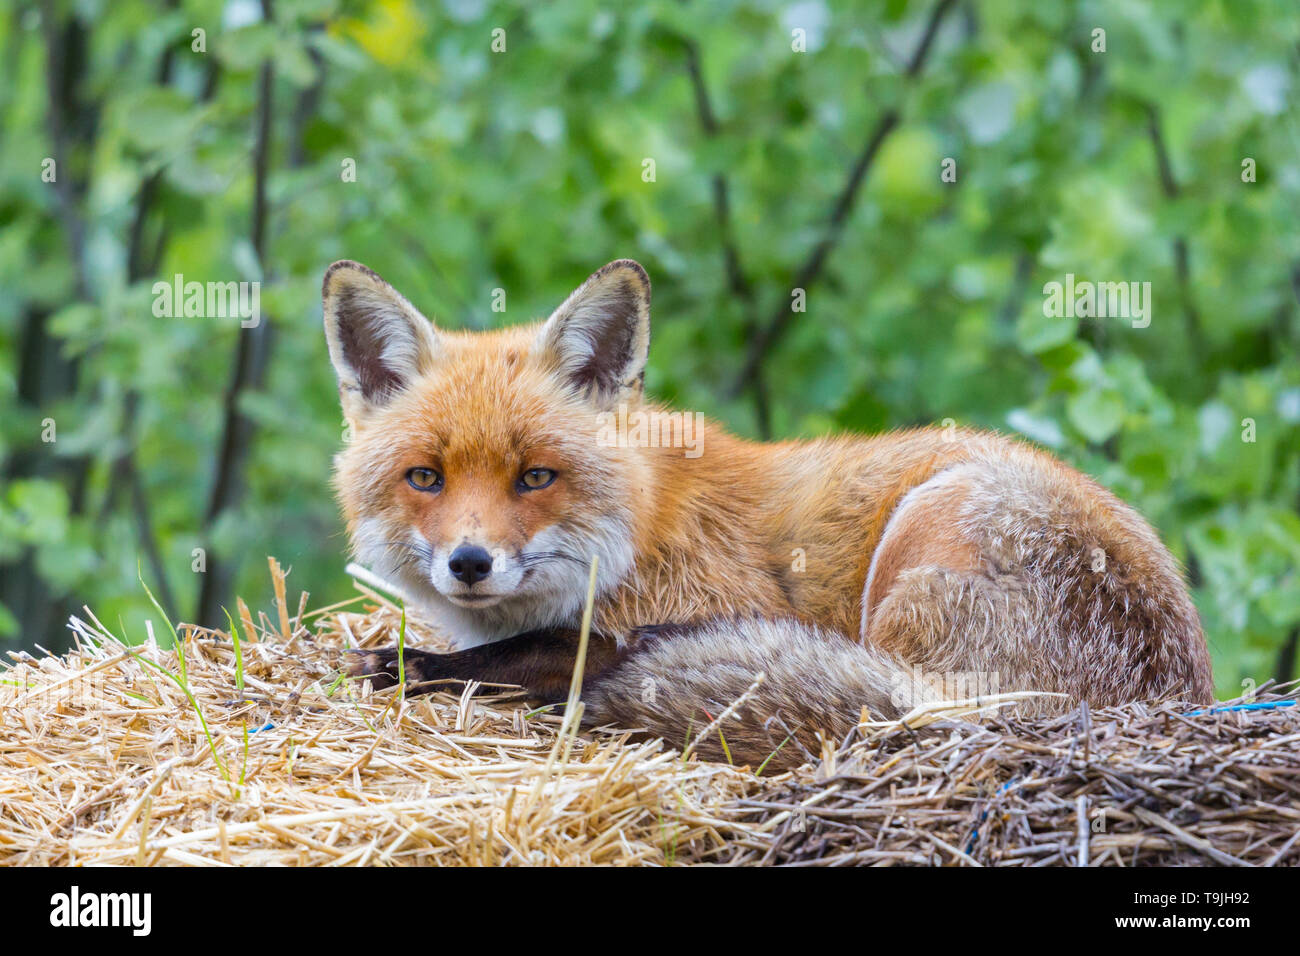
x,y
767,335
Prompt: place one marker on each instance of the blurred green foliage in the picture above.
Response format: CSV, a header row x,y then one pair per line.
x,y
523,170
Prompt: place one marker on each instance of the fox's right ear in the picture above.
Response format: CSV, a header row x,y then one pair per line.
x,y
378,341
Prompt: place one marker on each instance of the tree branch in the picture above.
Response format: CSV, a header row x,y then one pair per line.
x,y
44,374
64,51
1182,265
737,282
736,279
808,273
123,469
249,370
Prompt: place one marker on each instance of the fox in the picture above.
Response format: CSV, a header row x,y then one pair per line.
x,y
793,588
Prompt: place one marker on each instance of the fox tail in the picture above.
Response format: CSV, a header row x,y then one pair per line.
x,y
815,685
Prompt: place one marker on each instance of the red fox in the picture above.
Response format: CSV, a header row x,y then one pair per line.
x,y
486,469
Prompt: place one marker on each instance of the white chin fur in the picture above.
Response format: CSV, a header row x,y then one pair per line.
x,y
475,601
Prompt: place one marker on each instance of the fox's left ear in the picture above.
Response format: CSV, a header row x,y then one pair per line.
x,y
600,337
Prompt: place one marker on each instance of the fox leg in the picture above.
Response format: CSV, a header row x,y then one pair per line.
x,y
1014,576
539,661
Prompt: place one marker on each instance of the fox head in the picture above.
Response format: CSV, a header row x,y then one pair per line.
x,y
474,477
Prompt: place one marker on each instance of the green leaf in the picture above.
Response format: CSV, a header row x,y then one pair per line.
x,y
1096,413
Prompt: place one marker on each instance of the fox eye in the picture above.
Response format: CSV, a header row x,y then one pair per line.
x,y
535,478
424,479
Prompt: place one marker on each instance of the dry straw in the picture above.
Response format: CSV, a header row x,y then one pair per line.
x,y
1148,784
104,760
249,749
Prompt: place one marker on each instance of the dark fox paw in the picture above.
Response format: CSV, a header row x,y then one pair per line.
x,y
380,665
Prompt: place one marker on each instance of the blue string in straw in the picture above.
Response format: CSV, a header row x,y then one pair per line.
x,y
1262,705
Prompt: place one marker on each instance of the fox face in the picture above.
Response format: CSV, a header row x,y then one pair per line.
x,y
474,477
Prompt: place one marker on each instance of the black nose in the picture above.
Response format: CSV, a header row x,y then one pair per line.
x,y
470,563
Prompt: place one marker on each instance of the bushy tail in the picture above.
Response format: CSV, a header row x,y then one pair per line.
x,y
676,684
